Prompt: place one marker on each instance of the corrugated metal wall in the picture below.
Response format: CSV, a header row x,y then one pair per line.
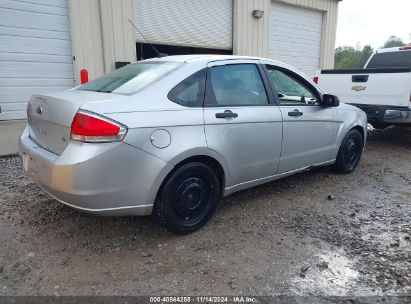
x,y
101,35
118,35
251,34
86,39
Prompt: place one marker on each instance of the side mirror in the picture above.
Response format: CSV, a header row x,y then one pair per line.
x,y
329,100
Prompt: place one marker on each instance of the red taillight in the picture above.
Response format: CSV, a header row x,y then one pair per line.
x,y
89,127
315,79
405,48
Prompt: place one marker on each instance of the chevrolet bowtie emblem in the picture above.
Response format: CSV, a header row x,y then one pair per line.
x,y
358,88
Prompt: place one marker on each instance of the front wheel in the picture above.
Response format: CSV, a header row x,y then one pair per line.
x,y
350,152
188,198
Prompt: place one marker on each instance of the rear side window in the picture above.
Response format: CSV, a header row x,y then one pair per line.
x,y
190,92
400,59
236,85
131,78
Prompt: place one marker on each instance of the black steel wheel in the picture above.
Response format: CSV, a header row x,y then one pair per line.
x,y
350,152
188,198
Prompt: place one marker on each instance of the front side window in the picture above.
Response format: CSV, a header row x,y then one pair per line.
x,y
290,90
131,78
236,85
190,92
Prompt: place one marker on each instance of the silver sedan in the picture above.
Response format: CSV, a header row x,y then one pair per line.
x,y
170,136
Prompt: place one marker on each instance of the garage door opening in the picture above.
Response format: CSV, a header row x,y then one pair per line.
x,y
145,50
182,27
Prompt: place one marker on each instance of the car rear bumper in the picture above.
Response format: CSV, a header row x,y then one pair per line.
x,y
397,116
386,114
104,178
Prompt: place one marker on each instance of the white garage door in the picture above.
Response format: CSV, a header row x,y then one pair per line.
x,y
295,36
195,23
35,52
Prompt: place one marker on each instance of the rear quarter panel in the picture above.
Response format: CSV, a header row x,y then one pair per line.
x,y
186,138
185,130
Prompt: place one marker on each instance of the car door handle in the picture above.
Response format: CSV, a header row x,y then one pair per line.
x,y
295,113
226,114
360,78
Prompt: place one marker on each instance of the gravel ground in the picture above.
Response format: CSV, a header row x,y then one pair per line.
x,y
315,233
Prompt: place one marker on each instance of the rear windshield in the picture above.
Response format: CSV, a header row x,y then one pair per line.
x,y
400,59
131,78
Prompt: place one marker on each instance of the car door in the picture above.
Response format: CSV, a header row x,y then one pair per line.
x,y
242,122
309,129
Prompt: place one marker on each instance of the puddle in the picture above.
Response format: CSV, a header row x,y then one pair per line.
x,y
329,273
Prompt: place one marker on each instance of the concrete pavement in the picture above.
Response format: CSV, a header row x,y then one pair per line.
x,y
10,132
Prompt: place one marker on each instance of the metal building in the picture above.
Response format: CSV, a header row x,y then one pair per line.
x,y
45,43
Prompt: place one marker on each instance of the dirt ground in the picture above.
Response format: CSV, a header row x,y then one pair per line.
x,y
315,233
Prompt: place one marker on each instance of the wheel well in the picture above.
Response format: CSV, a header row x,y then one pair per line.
x,y
207,160
361,130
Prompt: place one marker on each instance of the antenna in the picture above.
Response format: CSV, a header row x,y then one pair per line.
x,y
148,42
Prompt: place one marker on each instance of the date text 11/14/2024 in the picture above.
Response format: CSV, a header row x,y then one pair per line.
x,y
203,299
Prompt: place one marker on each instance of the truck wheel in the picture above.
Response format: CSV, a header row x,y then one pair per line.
x,y
188,198
350,152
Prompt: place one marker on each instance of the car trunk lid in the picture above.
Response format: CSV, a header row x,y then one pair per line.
x,y
50,116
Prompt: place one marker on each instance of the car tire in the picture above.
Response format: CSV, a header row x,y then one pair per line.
x,y
188,198
350,152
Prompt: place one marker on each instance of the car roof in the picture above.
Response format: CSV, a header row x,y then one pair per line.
x,y
212,58
204,58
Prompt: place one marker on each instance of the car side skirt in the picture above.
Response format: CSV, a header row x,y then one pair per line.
x,y
264,180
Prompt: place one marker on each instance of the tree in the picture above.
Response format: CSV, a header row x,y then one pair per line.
x,y
346,57
393,41
366,53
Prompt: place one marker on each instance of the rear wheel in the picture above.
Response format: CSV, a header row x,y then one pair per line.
x,y
188,198
350,152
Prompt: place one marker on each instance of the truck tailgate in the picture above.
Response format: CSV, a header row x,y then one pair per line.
x,y
388,87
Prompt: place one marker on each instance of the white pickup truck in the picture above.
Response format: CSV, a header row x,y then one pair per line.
x,y
382,89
